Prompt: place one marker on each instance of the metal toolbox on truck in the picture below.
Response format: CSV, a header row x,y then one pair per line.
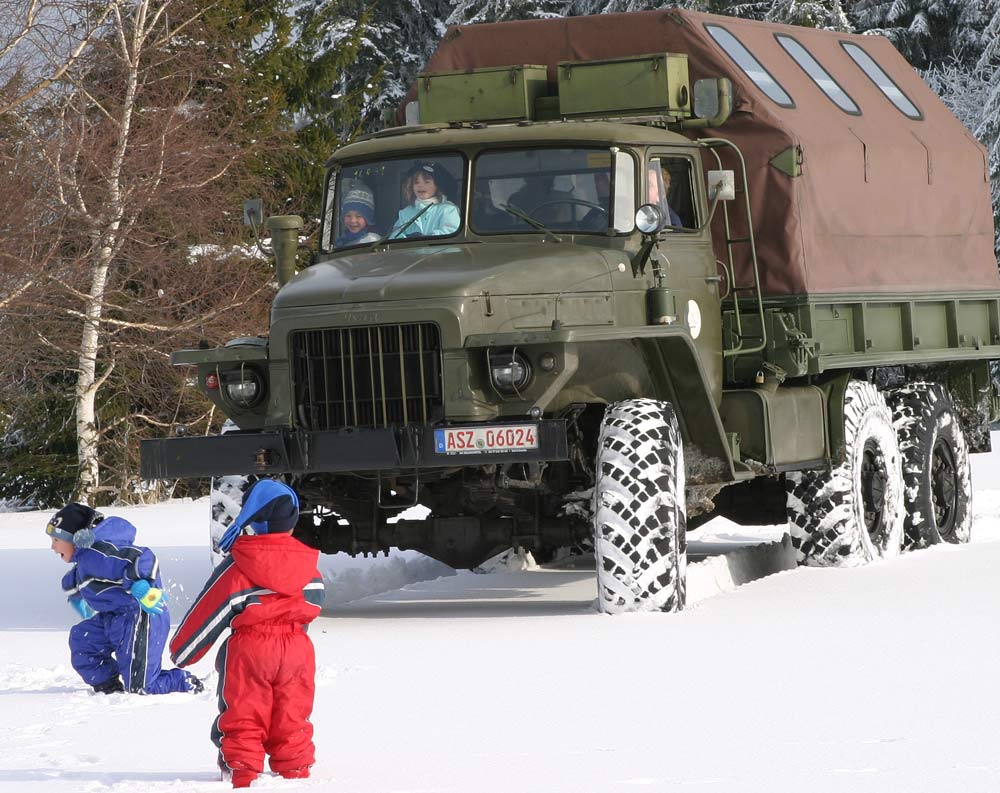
x,y
656,83
490,94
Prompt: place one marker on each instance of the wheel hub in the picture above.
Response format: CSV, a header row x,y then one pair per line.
x,y
874,480
944,486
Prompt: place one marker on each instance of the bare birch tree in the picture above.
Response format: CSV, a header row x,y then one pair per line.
x,y
40,41
136,153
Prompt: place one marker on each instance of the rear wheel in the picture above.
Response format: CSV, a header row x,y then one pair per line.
x,y
936,471
638,507
853,513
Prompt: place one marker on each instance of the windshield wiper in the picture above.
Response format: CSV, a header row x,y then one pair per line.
x,y
518,213
390,238
405,226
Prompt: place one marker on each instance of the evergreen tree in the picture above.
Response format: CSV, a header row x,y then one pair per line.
x,y
989,130
926,32
826,14
472,11
990,54
294,57
360,59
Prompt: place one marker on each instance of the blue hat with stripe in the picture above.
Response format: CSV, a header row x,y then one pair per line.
x,y
269,507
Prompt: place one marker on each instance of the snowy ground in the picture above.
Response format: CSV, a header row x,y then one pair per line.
x,y
878,679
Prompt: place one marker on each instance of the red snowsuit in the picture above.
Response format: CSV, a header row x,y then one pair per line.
x,y
267,590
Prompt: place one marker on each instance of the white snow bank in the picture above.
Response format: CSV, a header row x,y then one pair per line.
x,y
178,532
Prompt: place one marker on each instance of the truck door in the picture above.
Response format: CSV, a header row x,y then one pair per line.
x,y
686,254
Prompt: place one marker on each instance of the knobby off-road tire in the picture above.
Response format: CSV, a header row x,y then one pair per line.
x,y
936,475
225,502
854,513
639,512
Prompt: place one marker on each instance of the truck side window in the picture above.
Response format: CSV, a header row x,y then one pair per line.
x,y
668,185
750,66
884,82
818,74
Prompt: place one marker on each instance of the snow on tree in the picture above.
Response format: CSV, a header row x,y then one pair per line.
x,y
988,130
388,43
926,32
964,89
825,14
468,12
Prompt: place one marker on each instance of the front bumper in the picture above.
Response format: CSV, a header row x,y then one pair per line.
x,y
299,452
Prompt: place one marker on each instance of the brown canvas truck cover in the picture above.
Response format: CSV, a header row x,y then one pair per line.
x,y
884,203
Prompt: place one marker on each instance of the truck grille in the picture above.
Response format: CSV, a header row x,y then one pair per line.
x,y
370,376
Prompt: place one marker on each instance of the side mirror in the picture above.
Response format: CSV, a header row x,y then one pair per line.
x,y
285,243
412,113
253,213
713,102
721,185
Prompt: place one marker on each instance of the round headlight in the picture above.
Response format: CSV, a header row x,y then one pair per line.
x,y
649,219
510,372
244,387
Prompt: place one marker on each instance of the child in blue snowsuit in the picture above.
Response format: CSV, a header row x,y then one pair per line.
x,y
115,586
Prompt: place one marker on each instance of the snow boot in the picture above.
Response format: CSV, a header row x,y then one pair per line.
x,y
237,777
111,686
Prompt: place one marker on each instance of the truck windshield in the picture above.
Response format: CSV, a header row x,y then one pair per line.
x,y
560,189
405,198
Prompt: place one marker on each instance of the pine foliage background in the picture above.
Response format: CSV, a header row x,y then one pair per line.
x,y
314,74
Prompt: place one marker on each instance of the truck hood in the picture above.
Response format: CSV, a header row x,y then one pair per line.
x,y
449,271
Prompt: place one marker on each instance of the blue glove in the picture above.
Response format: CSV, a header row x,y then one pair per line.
x,y
81,607
151,599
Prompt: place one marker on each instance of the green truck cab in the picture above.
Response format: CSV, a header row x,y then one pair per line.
x,y
602,299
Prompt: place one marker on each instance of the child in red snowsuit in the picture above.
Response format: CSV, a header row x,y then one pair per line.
x,y
267,591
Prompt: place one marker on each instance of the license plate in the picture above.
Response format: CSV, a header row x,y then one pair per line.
x,y
484,440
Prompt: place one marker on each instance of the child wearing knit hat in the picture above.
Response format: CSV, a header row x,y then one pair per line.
x,y
430,213
357,217
266,591
115,587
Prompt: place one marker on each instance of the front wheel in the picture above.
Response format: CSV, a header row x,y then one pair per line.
x,y
638,509
854,513
225,502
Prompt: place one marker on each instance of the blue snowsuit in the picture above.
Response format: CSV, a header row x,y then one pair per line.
x,y
102,574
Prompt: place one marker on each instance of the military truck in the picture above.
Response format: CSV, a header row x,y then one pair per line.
x,y
614,276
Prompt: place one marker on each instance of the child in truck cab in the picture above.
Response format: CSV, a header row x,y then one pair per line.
x,y
357,217
430,213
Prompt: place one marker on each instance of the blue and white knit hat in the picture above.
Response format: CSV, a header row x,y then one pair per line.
x,y
269,507
360,199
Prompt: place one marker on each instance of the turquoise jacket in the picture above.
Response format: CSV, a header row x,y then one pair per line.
x,y
440,219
